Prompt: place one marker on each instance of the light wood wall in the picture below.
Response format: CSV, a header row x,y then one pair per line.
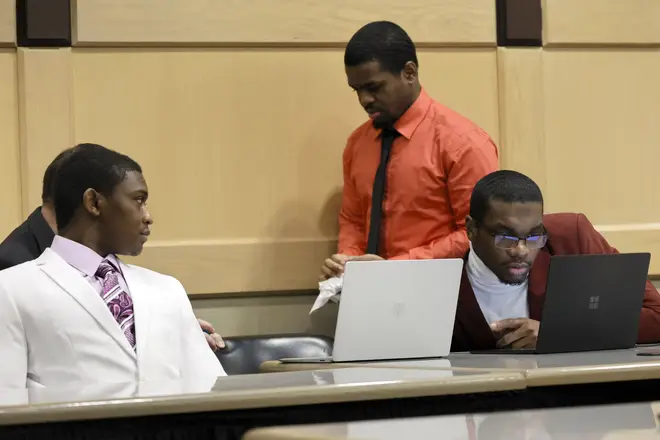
x,y
7,23
286,22
10,178
239,111
580,116
238,117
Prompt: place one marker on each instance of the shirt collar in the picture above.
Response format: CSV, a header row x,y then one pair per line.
x,y
80,256
411,118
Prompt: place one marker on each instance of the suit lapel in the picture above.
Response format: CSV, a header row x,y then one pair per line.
x,y
73,283
538,277
142,304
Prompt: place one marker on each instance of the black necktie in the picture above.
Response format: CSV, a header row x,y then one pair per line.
x,y
373,244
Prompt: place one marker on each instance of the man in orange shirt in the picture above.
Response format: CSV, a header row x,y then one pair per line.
x,y
408,171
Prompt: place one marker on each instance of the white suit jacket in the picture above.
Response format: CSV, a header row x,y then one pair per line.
x,y
55,330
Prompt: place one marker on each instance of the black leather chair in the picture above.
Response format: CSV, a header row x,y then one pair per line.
x,y
244,354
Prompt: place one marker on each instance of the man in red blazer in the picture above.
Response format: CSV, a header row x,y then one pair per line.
x,y
504,279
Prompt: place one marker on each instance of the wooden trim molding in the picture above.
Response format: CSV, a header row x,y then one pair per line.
x,y
284,22
635,238
235,266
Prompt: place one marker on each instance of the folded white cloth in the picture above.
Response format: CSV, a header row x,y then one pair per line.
x,y
329,290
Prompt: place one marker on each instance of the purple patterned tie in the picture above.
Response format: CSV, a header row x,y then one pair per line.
x,y
119,302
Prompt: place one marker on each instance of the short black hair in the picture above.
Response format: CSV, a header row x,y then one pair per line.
x,y
505,186
49,176
87,166
381,41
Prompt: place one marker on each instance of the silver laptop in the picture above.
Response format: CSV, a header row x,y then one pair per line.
x,y
396,309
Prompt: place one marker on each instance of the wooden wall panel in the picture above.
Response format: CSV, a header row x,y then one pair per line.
x,y
521,98
602,136
602,132
583,124
237,144
10,179
165,22
7,22
601,22
466,81
45,92
242,150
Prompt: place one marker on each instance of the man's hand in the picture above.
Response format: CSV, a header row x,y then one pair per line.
x,y
334,266
212,338
516,333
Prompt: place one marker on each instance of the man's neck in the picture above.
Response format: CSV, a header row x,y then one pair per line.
x,y
48,213
417,90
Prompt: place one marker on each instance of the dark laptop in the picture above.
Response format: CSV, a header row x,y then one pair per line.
x,y
592,302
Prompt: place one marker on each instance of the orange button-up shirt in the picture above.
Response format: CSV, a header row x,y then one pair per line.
x,y
432,170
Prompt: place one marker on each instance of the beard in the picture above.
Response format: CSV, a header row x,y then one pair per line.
x,y
513,283
384,121
381,124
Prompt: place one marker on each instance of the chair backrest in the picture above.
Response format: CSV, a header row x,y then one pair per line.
x,y
244,354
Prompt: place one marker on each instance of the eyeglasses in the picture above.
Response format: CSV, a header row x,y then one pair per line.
x,y
503,241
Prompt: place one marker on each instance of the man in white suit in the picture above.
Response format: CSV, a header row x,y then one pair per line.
x,y
78,314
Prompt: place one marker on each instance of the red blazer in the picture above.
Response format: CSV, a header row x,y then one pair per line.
x,y
568,234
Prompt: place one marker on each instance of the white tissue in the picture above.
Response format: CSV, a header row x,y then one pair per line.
x,y
329,290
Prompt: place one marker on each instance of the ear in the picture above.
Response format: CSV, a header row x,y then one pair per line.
x,y
409,72
470,227
93,202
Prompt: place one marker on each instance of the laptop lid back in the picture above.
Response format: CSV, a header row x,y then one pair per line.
x,y
593,302
397,309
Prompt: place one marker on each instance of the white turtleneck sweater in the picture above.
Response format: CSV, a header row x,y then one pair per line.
x,y
496,299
